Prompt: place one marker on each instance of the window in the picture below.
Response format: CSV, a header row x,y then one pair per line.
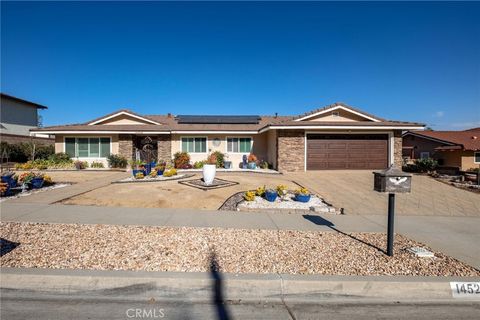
x,y
424,155
87,147
476,157
194,144
239,145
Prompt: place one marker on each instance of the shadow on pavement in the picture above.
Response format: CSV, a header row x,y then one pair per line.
x,y
218,300
7,246
324,222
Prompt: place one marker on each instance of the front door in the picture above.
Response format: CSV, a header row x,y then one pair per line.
x,y
145,148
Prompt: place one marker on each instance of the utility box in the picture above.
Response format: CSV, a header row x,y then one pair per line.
x,y
392,180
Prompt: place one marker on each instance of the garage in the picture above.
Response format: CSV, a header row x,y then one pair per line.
x,y
347,151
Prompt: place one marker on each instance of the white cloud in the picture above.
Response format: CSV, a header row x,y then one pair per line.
x,y
439,114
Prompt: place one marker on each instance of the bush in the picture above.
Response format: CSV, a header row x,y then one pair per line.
x,y
80,165
44,151
59,157
260,191
199,164
220,158
96,164
426,165
169,173
252,158
281,189
181,160
249,196
139,175
14,152
117,161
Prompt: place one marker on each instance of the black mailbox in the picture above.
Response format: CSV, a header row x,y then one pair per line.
x,y
392,180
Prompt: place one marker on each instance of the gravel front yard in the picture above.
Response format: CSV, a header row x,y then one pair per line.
x,y
105,247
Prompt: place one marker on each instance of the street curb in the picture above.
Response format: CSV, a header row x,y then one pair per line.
x,y
193,286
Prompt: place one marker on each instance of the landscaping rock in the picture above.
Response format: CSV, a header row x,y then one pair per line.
x,y
106,247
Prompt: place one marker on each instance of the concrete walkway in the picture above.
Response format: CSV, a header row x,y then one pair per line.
x,y
352,190
60,194
455,236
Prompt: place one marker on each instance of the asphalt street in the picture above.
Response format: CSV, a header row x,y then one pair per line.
x,y
41,307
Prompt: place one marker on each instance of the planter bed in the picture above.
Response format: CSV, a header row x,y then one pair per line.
x,y
316,204
19,194
156,179
185,249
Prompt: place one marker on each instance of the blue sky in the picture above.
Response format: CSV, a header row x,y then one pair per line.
x,y
402,61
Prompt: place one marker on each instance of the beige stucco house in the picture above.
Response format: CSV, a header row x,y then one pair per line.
x,y
334,137
452,149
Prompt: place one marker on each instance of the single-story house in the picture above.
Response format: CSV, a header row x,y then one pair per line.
x,y
334,137
452,149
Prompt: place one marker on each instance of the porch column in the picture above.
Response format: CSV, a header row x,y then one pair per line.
x,y
125,146
164,146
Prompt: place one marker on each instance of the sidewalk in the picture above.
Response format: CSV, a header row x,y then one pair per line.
x,y
455,236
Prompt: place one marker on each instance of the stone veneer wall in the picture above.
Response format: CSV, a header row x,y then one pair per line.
x,y
291,150
397,149
125,146
164,145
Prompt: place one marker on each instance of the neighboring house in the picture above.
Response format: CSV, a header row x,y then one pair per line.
x,y
454,149
17,117
335,137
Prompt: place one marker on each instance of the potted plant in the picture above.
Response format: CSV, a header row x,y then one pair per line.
x,y
9,178
302,195
37,181
137,166
139,175
160,167
26,178
271,195
252,161
282,191
209,169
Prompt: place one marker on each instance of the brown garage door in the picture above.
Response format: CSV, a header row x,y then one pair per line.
x,y
347,151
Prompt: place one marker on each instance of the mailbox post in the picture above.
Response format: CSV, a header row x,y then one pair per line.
x,y
393,181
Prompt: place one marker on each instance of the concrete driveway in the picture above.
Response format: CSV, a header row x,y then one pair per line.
x,y
353,191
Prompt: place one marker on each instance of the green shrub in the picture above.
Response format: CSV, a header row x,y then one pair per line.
x,y
59,157
117,161
96,164
199,164
44,151
220,158
426,165
181,160
14,152
80,165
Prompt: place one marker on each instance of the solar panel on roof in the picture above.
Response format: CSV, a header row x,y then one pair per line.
x,y
218,119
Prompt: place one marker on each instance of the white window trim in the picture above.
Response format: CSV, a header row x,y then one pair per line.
x,y
474,156
391,143
88,137
238,137
206,144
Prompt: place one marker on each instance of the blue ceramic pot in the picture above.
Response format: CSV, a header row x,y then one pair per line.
x,y
135,171
36,183
252,165
159,173
271,195
8,179
302,197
